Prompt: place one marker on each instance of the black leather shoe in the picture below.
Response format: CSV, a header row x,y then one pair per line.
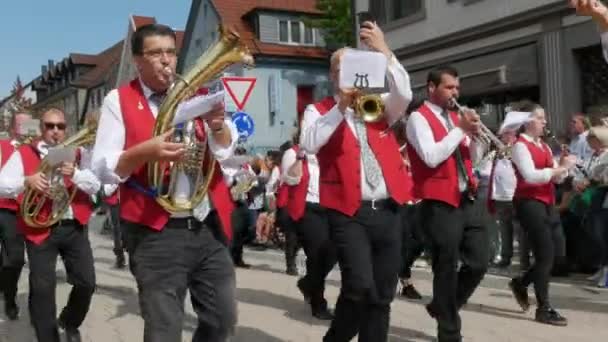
x,y
292,271
520,293
71,334
430,310
11,310
323,314
120,261
307,295
410,292
241,264
502,264
550,316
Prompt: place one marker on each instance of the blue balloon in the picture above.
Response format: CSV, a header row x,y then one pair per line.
x,y
244,124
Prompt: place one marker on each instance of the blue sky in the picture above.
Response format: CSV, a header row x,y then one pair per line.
x,y
38,30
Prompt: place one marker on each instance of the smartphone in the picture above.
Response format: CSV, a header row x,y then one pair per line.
x,y
365,16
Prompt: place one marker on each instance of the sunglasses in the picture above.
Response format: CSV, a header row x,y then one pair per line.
x,y
52,125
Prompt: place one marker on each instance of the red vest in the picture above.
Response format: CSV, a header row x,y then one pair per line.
x,y
439,183
296,204
340,164
282,195
139,207
6,149
113,199
81,205
542,158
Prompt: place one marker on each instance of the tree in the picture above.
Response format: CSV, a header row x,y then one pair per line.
x,y
335,22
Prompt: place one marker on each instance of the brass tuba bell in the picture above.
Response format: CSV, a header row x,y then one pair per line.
x,y
59,196
228,50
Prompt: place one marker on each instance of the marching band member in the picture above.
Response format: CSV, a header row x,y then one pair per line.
x,y
598,11
300,173
168,253
111,199
500,193
11,239
441,154
534,200
361,185
68,238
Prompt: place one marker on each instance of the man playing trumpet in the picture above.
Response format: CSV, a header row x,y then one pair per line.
x,y
442,150
68,238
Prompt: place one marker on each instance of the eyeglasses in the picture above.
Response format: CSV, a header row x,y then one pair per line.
x,y
157,53
52,125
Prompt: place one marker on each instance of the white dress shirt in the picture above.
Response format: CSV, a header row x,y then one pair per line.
x,y
504,180
317,129
12,177
273,181
522,159
111,137
580,148
433,153
289,158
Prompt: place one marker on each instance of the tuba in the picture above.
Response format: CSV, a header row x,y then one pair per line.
x,y
58,196
228,50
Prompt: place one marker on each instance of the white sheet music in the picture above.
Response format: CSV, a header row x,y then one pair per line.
x,y
197,107
362,69
59,155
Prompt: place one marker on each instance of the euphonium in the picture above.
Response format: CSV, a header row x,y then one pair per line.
x,y
227,51
34,201
369,107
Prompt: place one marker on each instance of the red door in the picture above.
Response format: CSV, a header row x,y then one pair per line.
x,y
305,97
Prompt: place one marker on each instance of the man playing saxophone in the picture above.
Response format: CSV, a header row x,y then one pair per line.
x,y
169,252
68,237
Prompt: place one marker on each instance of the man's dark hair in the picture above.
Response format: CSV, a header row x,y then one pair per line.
x,y
137,40
436,74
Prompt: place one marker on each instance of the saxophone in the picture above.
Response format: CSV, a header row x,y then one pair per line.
x,y
197,165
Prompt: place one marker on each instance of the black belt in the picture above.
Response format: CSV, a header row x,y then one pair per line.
x,y
189,223
379,204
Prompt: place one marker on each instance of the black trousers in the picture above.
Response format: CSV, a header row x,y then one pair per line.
x,y
113,221
369,250
292,244
13,254
242,233
454,234
70,240
545,238
412,240
184,256
313,235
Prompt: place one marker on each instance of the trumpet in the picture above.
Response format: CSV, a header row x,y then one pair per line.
x,y
485,136
369,107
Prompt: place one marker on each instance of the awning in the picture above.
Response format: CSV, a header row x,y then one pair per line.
x,y
489,73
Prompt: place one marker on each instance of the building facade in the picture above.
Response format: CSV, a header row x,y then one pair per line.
x,y
291,63
505,51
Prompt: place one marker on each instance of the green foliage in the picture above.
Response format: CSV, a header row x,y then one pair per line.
x,y
335,23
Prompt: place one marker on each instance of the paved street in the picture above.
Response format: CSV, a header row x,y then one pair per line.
x,y
271,309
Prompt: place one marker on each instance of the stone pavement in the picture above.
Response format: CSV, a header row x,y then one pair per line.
x,y
271,308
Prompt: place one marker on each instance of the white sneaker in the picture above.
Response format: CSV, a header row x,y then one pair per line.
x,y
603,280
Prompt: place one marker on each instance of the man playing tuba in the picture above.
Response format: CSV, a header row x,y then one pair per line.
x,y
169,252
68,237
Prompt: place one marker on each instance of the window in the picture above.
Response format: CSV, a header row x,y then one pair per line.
x,y
400,11
295,32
